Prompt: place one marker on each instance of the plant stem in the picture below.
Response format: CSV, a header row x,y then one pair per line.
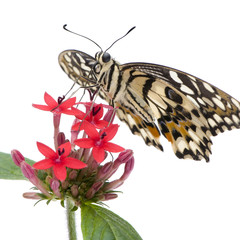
x,y
72,234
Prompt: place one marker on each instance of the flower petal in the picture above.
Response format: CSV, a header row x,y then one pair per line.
x,y
43,164
91,130
42,107
46,151
68,103
110,132
112,147
74,163
67,149
101,124
97,111
50,101
98,154
80,115
72,111
60,171
79,126
84,142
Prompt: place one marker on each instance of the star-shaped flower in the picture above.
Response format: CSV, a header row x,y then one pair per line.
x,y
58,107
94,116
58,160
99,141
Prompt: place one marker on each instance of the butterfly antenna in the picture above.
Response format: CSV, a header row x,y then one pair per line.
x,y
120,38
65,28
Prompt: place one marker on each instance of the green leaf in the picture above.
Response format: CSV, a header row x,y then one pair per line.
x,y
8,170
98,223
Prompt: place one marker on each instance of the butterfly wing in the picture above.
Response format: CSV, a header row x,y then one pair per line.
x,y
78,66
187,109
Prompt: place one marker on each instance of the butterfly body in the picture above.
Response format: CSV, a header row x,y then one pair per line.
x,y
152,98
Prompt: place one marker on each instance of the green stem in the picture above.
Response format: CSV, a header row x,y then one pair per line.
x,y
72,234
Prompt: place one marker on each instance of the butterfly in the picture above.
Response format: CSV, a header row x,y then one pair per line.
x,y
153,99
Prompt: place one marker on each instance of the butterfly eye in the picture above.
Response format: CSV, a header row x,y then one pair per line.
x,y
106,57
97,67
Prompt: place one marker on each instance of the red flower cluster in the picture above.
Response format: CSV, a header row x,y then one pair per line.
x,y
74,168
99,131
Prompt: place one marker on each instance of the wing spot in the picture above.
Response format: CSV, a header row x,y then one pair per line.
x,y
217,118
81,59
186,89
201,101
193,135
229,105
75,69
228,120
236,103
171,94
181,144
175,77
193,101
219,103
193,78
236,119
208,101
212,123
67,58
65,69
208,87
194,147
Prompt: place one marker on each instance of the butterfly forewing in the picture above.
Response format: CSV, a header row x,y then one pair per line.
x,y
151,98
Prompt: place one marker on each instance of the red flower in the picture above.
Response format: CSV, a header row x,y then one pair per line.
x,y
99,141
58,160
92,116
58,107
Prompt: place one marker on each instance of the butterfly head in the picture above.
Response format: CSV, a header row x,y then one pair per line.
x,y
103,62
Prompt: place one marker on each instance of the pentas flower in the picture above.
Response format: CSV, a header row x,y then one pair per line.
x,y
58,160
99,141
58,107
92,116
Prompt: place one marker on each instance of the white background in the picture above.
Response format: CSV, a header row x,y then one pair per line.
x,y
165,198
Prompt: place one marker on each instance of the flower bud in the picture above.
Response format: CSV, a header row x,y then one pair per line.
x,y
105,170
54,184
107,196
113,185
60,138
95,187
28,172
123,157
128,169
31,195
109,116
74,190
17,157
65,184
73,175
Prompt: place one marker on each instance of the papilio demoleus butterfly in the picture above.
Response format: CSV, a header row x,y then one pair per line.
x,y
152,98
